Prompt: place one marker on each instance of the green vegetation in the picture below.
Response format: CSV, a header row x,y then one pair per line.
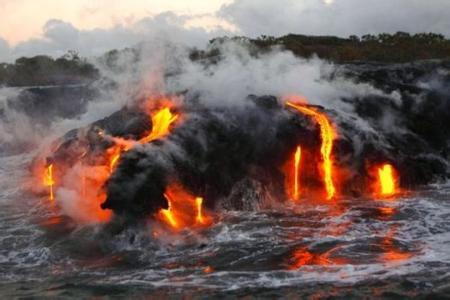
x,y
44,70
389,48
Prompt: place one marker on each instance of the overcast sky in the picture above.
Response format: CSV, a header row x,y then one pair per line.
x,y
91,27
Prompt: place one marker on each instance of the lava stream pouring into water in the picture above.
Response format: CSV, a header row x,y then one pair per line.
x,y
48,180
198,202
184,209
386,180
168,214
297,157
327,135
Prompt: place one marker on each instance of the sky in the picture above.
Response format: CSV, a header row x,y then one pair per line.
x,y
91,27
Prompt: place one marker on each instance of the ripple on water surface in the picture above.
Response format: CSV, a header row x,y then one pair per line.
x,y
352,248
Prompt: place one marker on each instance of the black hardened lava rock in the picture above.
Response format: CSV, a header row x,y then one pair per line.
x,y
232,155
90,142
210,152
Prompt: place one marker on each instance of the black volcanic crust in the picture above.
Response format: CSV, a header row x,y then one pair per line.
x,y
218,153
209,153
213,151
89,143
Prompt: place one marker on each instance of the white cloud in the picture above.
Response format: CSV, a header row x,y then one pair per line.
x,y
59,36
243,17
339,17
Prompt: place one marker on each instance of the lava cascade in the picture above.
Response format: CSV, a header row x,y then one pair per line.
x,y
184,209
327,136
49,181
386,180
297,158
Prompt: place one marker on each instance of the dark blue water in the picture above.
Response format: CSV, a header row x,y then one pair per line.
x,y
352,249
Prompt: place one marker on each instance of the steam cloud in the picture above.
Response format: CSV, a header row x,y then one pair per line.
x,y
372,121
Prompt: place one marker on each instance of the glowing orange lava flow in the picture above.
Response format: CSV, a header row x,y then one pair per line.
x,y
48,180
114,161
386,180
185,210
327,136
297,157
161,122
198,203
168,214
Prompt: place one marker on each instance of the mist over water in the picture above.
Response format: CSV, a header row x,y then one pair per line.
x,y
348,248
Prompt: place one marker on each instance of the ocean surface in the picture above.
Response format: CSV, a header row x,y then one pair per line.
x,y
351,248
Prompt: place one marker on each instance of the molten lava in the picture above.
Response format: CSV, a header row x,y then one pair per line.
x,y
184,211
198,203
48,180
167,213
386,180
113,162
297,157
86,182
161,122
327,135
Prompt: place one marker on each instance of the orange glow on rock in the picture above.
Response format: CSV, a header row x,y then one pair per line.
x,y
327,135
387,181
184,211
48,180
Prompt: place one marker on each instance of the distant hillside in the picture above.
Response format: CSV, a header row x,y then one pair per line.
x,y
385,48
44,70
389,48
